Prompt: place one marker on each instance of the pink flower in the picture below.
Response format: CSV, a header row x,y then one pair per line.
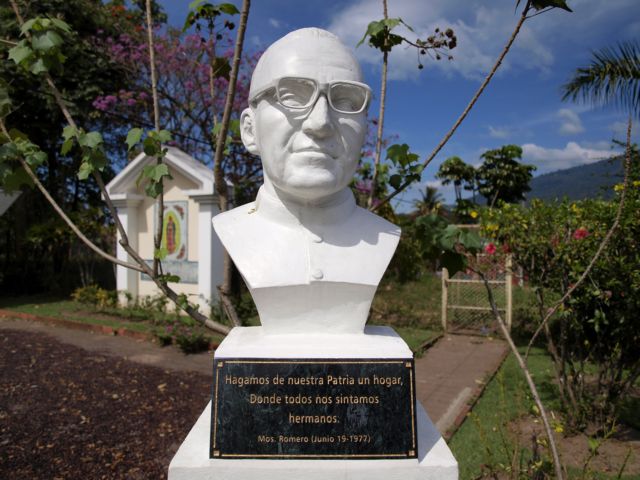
x,y
580,233
490,249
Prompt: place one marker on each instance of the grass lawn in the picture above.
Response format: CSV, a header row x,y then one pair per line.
x,y
412,309
489,436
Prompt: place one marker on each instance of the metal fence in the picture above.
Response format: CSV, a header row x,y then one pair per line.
x,y
465,300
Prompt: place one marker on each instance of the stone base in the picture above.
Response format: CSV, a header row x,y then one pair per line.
x,y
435,461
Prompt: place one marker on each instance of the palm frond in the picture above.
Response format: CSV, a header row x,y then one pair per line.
x,y
612,78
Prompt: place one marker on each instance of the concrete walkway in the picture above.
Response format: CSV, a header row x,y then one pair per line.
x,y
452,375
449,377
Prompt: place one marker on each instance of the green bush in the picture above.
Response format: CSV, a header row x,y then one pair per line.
x,y
96,297
183,332
595,333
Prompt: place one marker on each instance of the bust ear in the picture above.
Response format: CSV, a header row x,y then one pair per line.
x,y
247,131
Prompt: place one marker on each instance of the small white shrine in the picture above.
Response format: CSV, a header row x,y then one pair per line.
x,y
194,251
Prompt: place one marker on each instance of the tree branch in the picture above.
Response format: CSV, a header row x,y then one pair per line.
x,y
383,99
470,105
527,374
220,183
63,215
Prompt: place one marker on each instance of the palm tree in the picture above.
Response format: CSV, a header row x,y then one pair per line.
x,y
455,170
430,202
613,77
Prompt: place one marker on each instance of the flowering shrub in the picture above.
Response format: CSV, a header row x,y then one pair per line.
x,y
183,332
595,334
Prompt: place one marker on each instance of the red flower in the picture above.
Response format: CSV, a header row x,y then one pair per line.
x,y
580,233
490,248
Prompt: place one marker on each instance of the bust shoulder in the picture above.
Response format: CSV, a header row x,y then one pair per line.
x,y
355,249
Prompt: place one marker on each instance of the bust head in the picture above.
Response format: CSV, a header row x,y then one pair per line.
x,y
307,116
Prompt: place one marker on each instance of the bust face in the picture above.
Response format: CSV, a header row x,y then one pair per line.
x,y
312,153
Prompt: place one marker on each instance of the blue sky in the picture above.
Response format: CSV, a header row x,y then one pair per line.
x,y
522,105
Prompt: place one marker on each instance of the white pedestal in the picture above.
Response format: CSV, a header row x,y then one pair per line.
x,y
435,461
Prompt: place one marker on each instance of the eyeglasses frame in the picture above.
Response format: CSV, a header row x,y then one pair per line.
x,y
321,88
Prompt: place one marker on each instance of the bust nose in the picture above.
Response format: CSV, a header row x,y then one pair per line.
x,y
318,123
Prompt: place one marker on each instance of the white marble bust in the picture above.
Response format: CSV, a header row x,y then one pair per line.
x,y
311,258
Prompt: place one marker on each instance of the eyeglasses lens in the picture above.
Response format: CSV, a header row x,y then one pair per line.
x,y
347,98
296,92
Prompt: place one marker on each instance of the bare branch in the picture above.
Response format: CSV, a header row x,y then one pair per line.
x,y
383,99
601,247
527,374
220,182
466,111
152,67
63,215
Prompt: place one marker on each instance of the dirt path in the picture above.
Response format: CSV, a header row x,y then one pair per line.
x,y
139,351
115,407
72,413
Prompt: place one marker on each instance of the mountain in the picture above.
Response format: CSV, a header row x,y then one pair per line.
x,y
594,180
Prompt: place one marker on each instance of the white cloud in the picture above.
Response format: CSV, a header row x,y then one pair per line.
x,y
481,31
498,132
551,159
570,122
274,23
619,130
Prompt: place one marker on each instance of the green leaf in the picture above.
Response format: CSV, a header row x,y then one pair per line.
x,y
67,145
169,278
90,140
234,127
12,180
150,146
372,29
397,153
391,23
8,151
133,137
45,41
163,136
221,67
395,181
28,25
228,8
470,240
20,53
69,132
36,159
160,253
193,5
156,172
153,189
39,66
61,25
450,237
5,100
453,262
542,4
16,134
85,170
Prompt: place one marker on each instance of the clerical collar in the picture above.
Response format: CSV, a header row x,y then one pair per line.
x,y
273,208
